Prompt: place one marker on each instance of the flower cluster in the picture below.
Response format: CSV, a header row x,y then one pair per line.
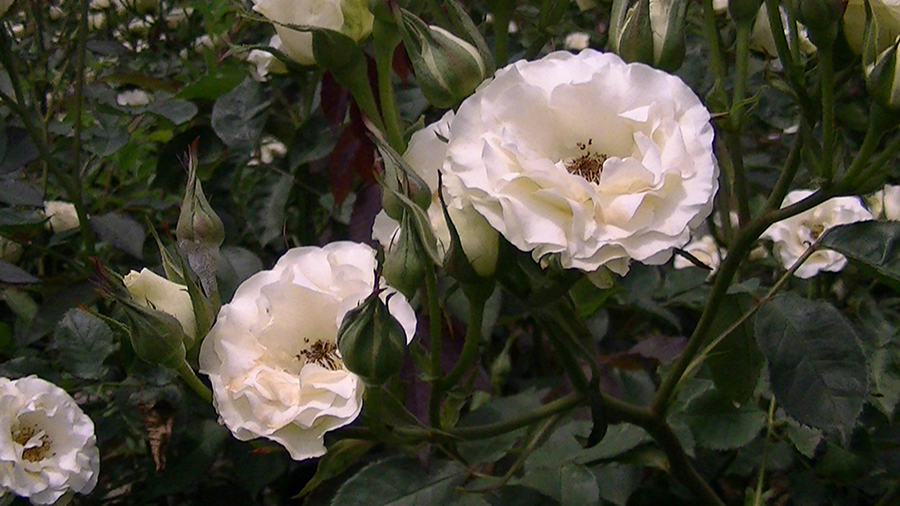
x,y
47,444
272,355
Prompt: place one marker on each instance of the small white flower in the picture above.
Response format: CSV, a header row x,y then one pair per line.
x,y
47,443
576,41
63,216
794,235
133,98
96,20
761,38
585,157
426,153
156,292
350,17
704,249
885,203
265,62
139,27
177,17
272,355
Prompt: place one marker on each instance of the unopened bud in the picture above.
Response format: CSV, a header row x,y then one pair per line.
x,y
371,341
157,337
630,32
447,67
198,222
405,262
744,11
822,19
880,53
153,291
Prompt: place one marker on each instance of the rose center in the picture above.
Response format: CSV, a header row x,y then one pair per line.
x,y
36,443
321,352
587,165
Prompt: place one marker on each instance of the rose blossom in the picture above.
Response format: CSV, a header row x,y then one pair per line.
x,y
794,235
272,357
885,203
153,291
704,249
47,443
62,216
586,157
425,155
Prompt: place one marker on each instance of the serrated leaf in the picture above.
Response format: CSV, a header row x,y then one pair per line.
x,y
805,439
875,245
617,481
271,212
83,341
340,456
122,232
736,361
238,116
176,111
718,424
619,439
401,481
816,365
578,487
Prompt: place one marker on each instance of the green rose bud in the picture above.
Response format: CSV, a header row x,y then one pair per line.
x,y
822,19
406,262
157,337
630,32
371,341
880,54
447,67
743,11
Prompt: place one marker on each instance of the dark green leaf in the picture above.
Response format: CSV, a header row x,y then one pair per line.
x,y
718,424
176,111
271,212
736,361
816,365
617,481
11,274
55,305
18,193
236,264
105,141
19,150
578,486
121,231
400,481
239,116
873,244
84,341
200,449
256,466
498,410
341,456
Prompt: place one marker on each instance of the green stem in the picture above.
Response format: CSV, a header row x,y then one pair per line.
x,y
680,465
470,347
554,328
742,56
826,81
502,14
434,319
875,169
733,141
879,121
75,188
789,54
386,39
758,499
189,377
788,173
711,33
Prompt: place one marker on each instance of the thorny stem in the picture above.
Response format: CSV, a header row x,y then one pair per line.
x,y
190,377
470,346
434,319
826,81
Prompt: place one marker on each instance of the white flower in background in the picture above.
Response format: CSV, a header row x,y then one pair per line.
x,y
350,17
270,148
10,251
704,249
426,154
96,20
761,38
99,5
272,355
139,27
576,41
512,27
794,235
178,16
153,291
132,98
265,62
585,5
63,216
888,14
885,203
47,443
587,157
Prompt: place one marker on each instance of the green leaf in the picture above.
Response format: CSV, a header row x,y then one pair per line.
x,y
176,111
497,410
13,275
619,439
736,361
271,210
256,465
55,306
122,232
617,481
816,365
718,424
105,141
874,245
879,339
201,447
578,486
83,341
238,116
341,456
20,193
401,481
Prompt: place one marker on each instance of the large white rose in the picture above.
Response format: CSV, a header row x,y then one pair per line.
x,y
350,17
794,235
47,443
885,203
272,355
888,14
426,153
587,157
156,292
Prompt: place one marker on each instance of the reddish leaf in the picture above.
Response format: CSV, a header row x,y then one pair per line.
x,y
367,205
354,153
335,99
402,64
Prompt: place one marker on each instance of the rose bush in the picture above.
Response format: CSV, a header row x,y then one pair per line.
x,y
47,443
794,235
350,17
426,153
272,358
610,162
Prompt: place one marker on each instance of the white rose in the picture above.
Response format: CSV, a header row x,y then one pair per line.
x,y
425,154
587,157
47,443
266,63
888,14
761,38
350,17
156,292
63,216
704,249
885,203
576,41
794,235
132,98
178,16
272,355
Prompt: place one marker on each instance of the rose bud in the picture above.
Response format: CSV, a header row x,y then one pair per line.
x,y
371,341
